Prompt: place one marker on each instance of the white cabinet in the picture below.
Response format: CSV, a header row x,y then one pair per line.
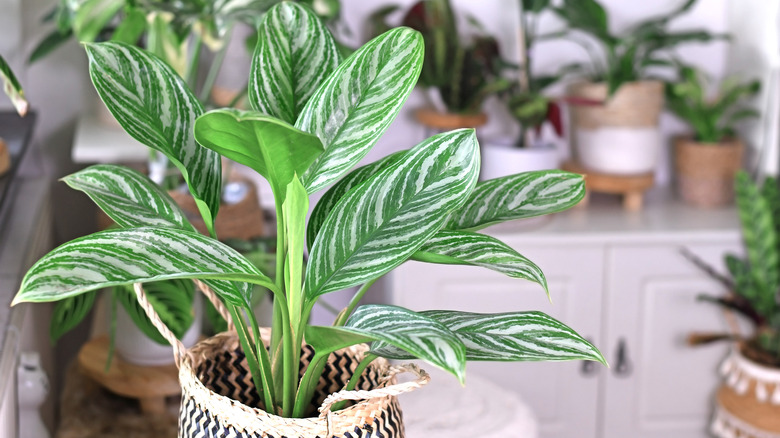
x,y
618,279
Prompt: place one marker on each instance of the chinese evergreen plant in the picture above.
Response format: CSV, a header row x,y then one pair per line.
x,y
753,280
712,119
314,117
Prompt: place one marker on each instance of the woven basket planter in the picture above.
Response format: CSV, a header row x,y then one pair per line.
x,y
219,399
705,172
748,401
620,137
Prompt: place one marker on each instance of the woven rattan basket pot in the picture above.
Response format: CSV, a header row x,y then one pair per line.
x,y
219,398
748,402
705,171
620,137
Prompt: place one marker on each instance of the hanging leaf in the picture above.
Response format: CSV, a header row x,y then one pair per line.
x,y
172,300
137,255
295,53
12,88
69,313
508,337
518,196
459,247
155,107
128,197
414,335
377,226
358,101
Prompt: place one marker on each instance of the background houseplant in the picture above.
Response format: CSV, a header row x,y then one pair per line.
x,y
459,71
620,73
707,160
423,203
752,372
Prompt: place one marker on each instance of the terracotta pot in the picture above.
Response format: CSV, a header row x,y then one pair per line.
x,y
449,121
705,171
5,157
748,401
620,137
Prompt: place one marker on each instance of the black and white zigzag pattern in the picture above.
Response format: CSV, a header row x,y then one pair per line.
x,y
227,374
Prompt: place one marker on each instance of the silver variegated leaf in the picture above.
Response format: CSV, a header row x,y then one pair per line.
x,y
137,255
338,190
518,196
381,223
412,334
358,101
295,53
154,106
462,247
128,197
509,337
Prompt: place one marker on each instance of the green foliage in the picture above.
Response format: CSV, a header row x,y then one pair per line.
x,y
423,203
465,70
12,88
628,56
712,119
756,277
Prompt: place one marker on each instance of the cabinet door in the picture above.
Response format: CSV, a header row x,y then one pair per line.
x,y
663,388
563,395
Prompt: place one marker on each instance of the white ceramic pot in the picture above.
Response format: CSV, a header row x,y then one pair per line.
x,y
619,150
502,158
136,348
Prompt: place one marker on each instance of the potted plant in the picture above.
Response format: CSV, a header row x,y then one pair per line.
x,y
529,106
748,401
458,74
622,136
423,203
707,160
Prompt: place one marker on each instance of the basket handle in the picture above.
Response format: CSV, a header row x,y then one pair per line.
x,y
383,391
179,350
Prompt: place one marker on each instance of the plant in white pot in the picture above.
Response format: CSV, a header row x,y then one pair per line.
x,y
622,136
423,204
748,401
707,160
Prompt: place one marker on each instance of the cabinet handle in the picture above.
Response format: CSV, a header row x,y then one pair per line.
x,y
623,366
588,367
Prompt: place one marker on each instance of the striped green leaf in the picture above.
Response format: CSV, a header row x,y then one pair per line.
x,y
12,88
171,299
358,101
274,149
382,222
154,106
461,247
518,196
295,53
758,233
413,335
337,191
90,17
509,337
128,197
137,255
69,313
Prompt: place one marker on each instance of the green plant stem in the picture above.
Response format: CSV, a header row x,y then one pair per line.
x,y
265,360
355,379
258,375
309,384
192,68
216,66
344,315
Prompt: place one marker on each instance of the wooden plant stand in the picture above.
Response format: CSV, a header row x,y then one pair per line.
x,y
631,187
149,384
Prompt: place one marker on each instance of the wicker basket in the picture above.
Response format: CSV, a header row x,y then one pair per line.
x,y
748,401
219,398
705,172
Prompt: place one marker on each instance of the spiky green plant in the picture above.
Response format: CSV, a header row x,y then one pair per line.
x,y
754,279
314,118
